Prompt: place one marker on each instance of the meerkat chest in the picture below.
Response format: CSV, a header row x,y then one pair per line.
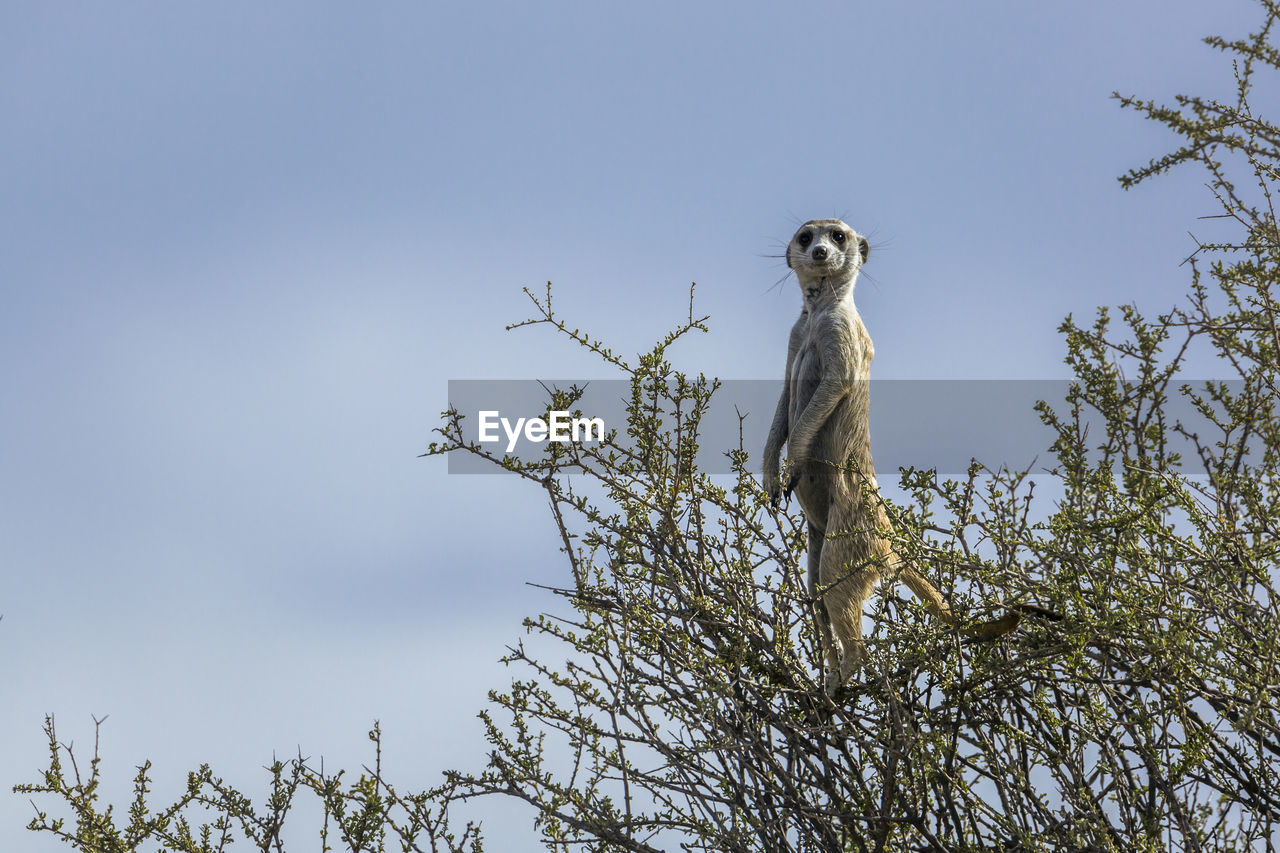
x,y
833,340
806,369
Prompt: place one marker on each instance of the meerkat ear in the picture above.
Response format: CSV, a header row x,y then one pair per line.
x,y
864,248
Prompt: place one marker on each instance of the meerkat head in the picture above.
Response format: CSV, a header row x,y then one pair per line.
x,y
826,250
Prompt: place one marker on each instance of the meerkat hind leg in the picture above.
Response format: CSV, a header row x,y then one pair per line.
x,y
844,607
845,588
827,646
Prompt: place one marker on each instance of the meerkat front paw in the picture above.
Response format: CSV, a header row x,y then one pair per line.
x,y
791,477
772,485
780,486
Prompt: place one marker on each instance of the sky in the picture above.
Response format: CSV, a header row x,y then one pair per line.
x,y
244,247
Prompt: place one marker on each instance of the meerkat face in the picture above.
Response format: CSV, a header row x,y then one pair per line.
x,y
826,248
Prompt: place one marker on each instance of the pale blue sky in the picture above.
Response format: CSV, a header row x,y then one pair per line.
x,y
244,247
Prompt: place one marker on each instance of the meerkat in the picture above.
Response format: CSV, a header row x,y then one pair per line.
x,y
822,416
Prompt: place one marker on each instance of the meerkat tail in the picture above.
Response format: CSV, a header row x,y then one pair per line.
x,y
994,629
1011,619
983,631
928,594
1039,612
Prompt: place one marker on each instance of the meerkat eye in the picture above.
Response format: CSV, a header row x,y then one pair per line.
x,y
838,236
804,238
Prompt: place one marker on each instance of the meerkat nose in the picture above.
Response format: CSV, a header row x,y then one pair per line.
x,y
820,253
